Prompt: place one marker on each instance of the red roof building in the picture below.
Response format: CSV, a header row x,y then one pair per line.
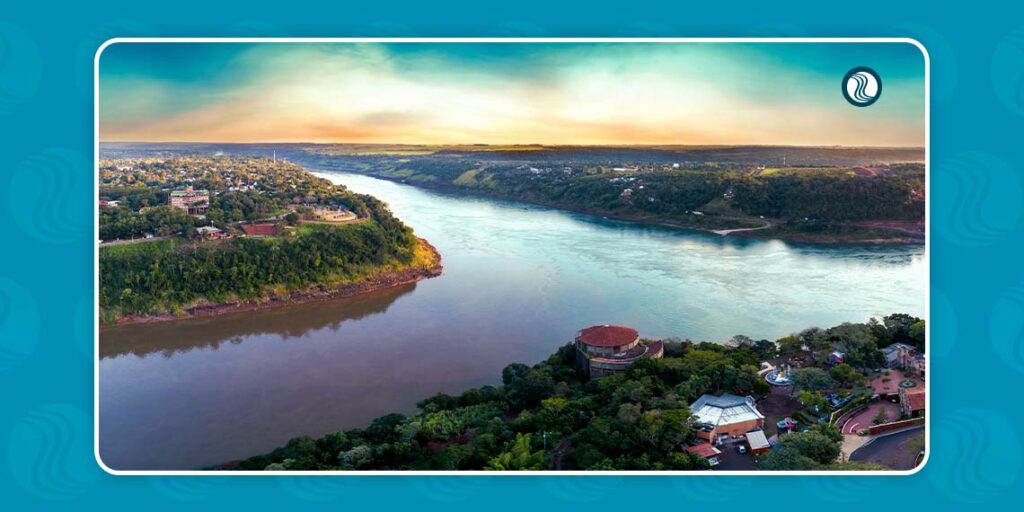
x,y
706,450
609,349
608,336
912,400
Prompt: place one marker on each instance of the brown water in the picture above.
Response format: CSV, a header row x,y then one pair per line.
x,y
519,281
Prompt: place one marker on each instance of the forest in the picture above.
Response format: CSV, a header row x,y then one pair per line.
x,y
828,194
549,417
169,276
817,195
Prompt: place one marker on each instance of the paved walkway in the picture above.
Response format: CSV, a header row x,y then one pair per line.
x,y
852,443
865,418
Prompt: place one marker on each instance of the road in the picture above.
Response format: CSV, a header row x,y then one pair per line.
x,y
134,241
893,450
725,232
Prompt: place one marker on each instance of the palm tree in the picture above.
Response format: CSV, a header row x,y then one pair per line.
x,y
518,457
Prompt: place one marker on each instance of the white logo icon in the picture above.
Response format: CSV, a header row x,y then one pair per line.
x,y
862,87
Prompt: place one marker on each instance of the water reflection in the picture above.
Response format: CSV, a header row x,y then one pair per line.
x,y
288,322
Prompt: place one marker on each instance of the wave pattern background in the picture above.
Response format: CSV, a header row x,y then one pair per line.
x,y
977,241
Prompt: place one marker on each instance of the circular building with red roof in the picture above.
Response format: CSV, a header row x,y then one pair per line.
x,y
607,339
608,349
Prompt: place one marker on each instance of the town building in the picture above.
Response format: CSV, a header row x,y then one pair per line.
x,y
758,442
195,202
210,232
912,401
707,451
836,358
898,355
918,366
725,415
608,349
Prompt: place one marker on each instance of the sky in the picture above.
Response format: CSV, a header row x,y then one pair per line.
x,y
509,93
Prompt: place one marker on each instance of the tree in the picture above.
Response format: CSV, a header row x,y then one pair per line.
x,y
291,219
789,345
845,375
917,334
740,341
810,379
881,417
517,456
356,457
803,451
858,344
813,399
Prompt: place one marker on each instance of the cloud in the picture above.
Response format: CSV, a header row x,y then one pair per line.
x,y
603,94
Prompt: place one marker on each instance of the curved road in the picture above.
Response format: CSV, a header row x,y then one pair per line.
x,y
893,450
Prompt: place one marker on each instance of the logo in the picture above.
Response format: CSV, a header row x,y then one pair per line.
x,y
862,86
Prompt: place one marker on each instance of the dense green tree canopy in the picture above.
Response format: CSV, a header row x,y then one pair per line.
x,y
548,416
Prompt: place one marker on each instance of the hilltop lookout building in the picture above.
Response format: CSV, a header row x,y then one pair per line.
x,y
195,202
725,415
609,349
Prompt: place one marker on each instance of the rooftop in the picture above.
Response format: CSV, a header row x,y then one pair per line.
x,y
190,193
915,398
888,349
724,410
757,440
653,349
607,335
705,450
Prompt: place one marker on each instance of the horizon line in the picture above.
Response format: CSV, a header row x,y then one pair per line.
x,y
521,144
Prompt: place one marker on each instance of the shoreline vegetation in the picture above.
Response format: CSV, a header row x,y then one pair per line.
x,y
550,416
428,268
804,194
816,195
198,236
876,233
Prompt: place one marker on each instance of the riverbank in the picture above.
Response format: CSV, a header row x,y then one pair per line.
x,y
530,421
856,233
430,268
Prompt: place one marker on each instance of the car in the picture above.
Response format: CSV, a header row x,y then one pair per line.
x,y
741,448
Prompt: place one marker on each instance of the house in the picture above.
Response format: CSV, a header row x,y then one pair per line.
x,y
918,365
758,442
193,201
707,451
912,401
210,232
725,415
899,355
836,358
609,349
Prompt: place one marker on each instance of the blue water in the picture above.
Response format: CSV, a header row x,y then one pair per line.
x,y
518,282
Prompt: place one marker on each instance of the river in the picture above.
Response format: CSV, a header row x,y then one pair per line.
x,y
518,282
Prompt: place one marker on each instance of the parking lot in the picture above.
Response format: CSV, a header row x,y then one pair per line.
x,y
732,460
